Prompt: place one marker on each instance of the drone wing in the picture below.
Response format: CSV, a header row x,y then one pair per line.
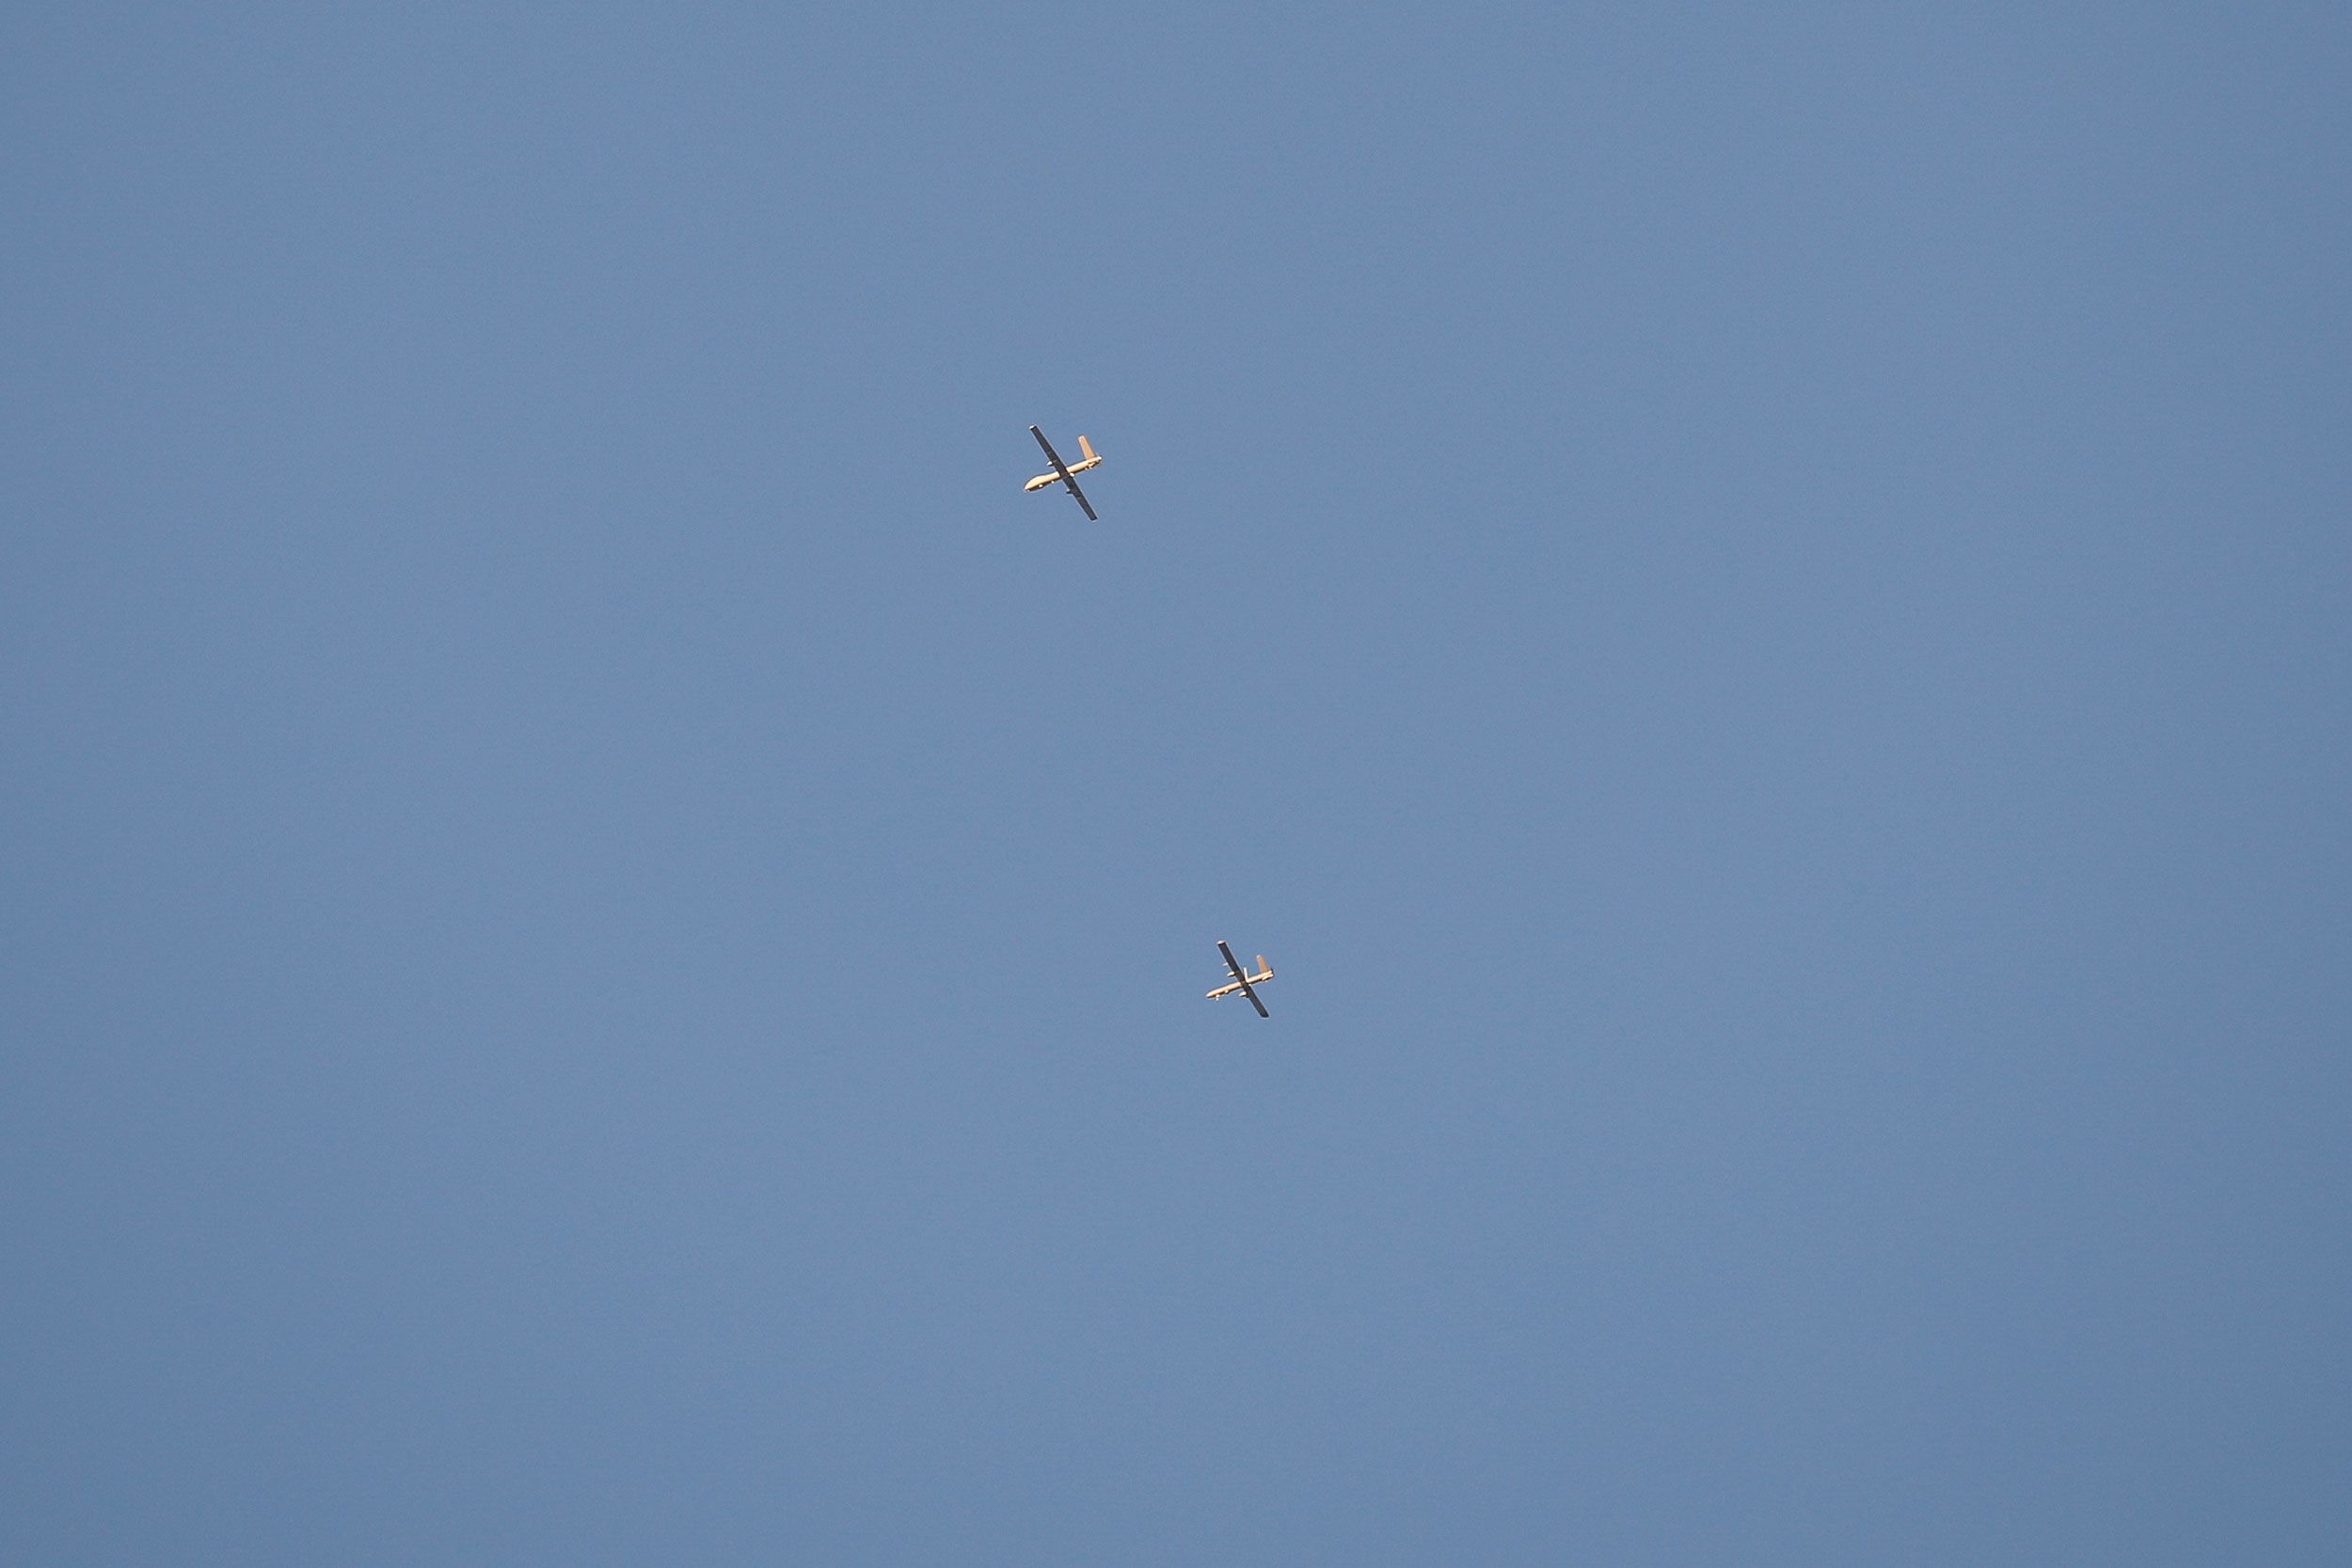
x,y
1241,977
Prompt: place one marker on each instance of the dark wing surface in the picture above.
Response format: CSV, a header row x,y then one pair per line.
x,y
1242,976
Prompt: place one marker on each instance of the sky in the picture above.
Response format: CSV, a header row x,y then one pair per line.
x,y
605,922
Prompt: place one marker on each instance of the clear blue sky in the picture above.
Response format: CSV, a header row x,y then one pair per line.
x,y
605,924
